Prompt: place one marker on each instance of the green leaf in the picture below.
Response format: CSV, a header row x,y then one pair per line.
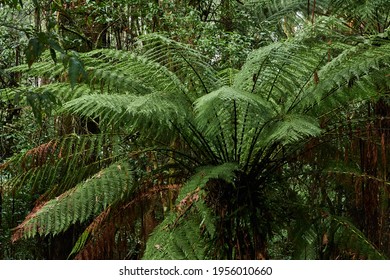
x,y
34,49
76,71
80,243
54,45
53,55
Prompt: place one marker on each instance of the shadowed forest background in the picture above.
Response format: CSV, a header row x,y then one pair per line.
x,y
189,129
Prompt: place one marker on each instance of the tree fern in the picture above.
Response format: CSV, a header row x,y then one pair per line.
x,y
230,144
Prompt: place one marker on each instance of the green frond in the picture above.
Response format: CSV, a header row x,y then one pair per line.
x,y
190,66
225,172
186,232
345,78
347,237
228,117
80,243
255,64
292,128
87,199
44,68
280,72
182,238
305,242
124,72
227,75
151,114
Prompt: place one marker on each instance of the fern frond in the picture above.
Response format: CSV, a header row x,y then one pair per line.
x,y
342,75
188,64
60,164
151,114
349,238
182,239
44,68
227,75
292,128
228,118
225,172
186,232
87,199
280,72
305,242
119,71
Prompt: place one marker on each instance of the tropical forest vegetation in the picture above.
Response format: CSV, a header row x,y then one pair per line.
x,y
195,129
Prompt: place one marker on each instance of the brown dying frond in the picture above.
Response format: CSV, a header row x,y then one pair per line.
x,y
18,232
39,156
121,232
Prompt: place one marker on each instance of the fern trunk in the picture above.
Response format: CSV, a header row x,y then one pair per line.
x,y
243,221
